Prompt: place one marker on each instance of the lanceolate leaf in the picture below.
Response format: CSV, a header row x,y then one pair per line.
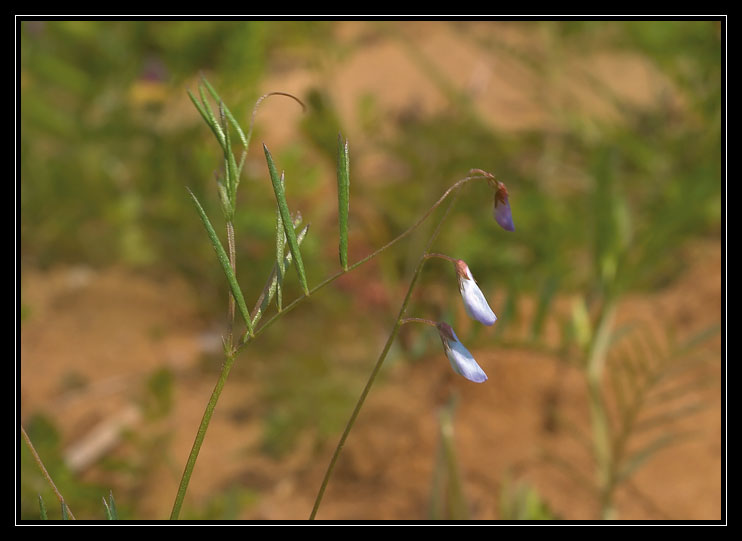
x,y
226,266
42,508
280,241
208,118
645,453
286,218
273,280
343,199
227,112
112,506
212,119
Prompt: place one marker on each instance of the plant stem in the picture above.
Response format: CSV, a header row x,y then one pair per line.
x,y
406,320
233,263
226,367
377,367
48,477
599,417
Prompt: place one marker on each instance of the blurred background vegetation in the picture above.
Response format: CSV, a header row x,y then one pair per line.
x,y
608,184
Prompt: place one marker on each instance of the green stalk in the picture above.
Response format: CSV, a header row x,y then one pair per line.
x,y
200,435
377,366
48,477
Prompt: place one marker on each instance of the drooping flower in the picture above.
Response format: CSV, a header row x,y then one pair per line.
x,y
502,213
474,301
461,360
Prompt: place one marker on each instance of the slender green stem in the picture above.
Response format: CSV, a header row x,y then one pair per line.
x,y
406,320
48,477
226,367
442,256
379,362
233,262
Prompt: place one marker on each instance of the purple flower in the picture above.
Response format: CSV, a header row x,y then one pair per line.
x,y
461,360
502,213
474,301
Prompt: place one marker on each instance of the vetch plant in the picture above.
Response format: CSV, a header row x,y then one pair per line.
x,y
288,252
290,233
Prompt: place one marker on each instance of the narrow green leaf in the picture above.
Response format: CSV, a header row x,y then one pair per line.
x,y
226,266
697,339
65,514
112,506
207,108
230,165
227,207
272,284
681,390
227,112
638,458
280,241
42,508
286,218
343,175
214,127
672,415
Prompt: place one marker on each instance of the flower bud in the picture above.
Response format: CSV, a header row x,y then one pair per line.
x,y
474,301
461,360
502,213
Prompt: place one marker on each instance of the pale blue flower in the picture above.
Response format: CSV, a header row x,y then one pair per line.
x,y
461,360
474,301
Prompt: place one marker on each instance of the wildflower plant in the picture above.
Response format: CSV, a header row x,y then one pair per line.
x,y
245,325
289,236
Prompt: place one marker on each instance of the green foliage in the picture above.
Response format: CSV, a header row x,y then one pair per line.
x,y
286,221
448,501
225,263
520,501
34,489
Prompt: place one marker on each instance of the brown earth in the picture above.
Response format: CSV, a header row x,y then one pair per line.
x,y
113,328
93,338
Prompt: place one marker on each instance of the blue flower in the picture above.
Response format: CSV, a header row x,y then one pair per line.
x,y
462,361
474,301
502,213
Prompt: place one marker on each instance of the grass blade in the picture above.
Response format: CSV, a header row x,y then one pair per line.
x,y
272,285
227,112
645,453
343,199
230,166
213,125
112,506
286,218
42,508
65,514
280,241
226,266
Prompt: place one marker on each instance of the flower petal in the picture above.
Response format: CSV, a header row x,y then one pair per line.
x,y
502,213
474,301
461,359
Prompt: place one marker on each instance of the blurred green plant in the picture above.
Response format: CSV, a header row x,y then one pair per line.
x,y
447,500
520,501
